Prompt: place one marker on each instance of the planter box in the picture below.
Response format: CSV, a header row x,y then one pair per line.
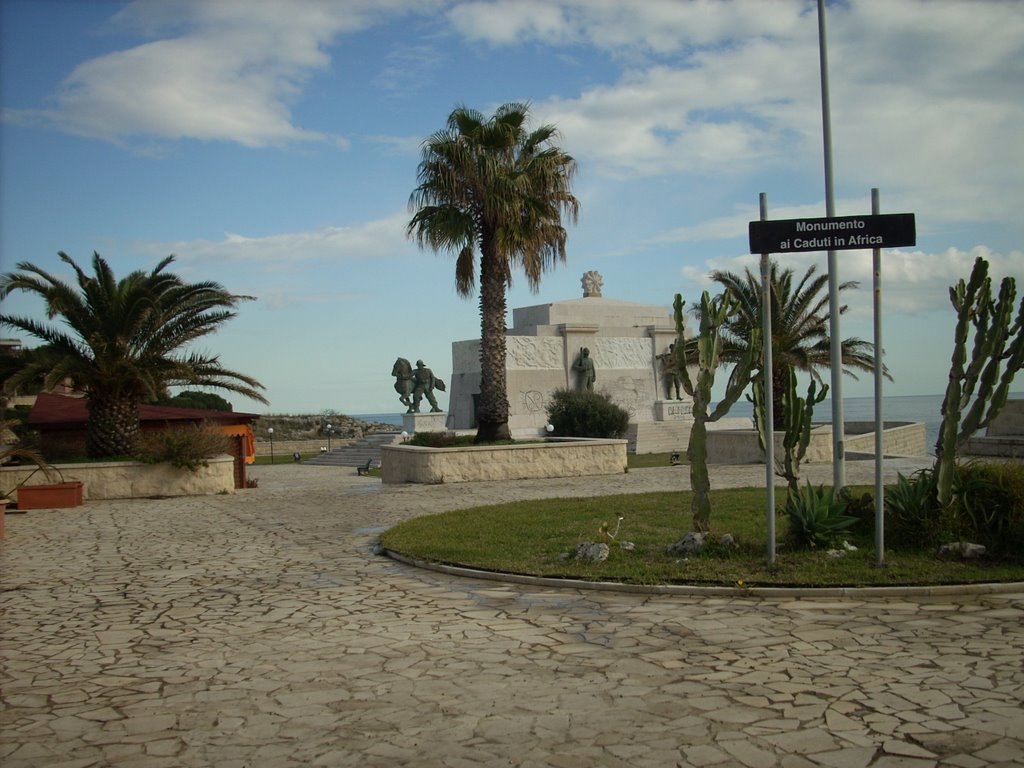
x,y
51,496
555,457
132,480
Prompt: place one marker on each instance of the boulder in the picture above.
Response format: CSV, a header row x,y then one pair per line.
x,y
961,550
592,552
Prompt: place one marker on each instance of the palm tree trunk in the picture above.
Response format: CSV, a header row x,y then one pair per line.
x,y
112,428
493,411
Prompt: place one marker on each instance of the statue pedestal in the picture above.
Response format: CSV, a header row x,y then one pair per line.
x,y
423,422
673,410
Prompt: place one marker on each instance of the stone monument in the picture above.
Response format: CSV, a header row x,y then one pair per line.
x,y
624,342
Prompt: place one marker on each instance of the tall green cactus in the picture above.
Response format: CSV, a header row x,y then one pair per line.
x,y
797,414
713,314
977,390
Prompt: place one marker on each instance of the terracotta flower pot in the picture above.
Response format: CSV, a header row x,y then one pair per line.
x,y
51,496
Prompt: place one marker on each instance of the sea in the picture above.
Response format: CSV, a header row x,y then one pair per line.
x,y
917,408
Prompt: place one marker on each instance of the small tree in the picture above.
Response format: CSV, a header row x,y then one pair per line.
x,y
122,342
977,389
713,316
798,414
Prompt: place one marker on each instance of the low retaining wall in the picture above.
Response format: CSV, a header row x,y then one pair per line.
x,y
741,446
129,479
555,457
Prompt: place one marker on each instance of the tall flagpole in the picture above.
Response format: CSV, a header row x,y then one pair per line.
x,y
838,442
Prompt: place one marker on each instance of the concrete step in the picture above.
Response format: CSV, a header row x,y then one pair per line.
x,y
356,453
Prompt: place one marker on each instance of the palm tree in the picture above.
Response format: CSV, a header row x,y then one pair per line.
x,y
489,185
800,320
122,341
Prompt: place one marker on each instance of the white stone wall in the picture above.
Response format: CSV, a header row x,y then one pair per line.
x,y
128,479
553,458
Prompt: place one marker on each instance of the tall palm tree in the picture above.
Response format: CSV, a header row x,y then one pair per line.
x,y
122,342
490,185
800,320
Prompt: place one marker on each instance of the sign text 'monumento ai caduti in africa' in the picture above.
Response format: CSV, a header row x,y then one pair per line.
x,y
839,233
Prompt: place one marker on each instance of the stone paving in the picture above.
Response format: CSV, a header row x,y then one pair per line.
x,y
258,629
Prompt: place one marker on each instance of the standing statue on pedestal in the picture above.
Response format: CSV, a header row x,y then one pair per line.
x,y
584,366
413,385
670,372
424,384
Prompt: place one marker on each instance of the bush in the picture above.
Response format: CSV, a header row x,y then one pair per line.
x,y
186,446
912,515
816,517
988,505
575,413
434,439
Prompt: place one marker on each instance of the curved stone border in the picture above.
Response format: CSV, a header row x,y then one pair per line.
x,y
684,589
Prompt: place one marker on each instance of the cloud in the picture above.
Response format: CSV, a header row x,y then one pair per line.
x,y
230,72
936,130
655,26
912,282
368,241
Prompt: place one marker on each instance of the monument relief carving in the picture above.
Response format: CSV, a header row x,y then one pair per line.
x,y
533,352
625,353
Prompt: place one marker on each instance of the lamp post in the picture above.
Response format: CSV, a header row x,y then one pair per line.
x,y
270,431
330,431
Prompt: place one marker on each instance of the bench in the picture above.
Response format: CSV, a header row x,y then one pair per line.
x,y
364,469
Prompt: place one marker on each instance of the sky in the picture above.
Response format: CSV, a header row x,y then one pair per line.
x,y
272,146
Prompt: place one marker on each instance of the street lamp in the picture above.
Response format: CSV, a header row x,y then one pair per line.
x,y
330,431
270,431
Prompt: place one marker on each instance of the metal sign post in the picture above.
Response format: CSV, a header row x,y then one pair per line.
x,y
876,268
876,231
769,388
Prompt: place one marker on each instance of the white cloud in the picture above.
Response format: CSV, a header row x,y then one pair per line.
x,y
231,72
656,26
939,129
368,241
912,282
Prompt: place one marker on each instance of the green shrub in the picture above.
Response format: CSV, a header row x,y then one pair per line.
x,y
575,413
186,446
912,516
860,506
988,505
816,517
435,439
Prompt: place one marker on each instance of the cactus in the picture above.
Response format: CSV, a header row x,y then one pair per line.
x,y
713,314
976,390
797,413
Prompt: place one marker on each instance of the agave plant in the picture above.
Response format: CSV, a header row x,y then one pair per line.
x,y
816,517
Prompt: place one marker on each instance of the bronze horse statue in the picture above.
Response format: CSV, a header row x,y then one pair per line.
x,y
404,380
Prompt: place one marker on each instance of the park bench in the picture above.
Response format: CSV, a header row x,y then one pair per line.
x,y
364,469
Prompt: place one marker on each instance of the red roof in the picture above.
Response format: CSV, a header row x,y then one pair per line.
x,y
60,411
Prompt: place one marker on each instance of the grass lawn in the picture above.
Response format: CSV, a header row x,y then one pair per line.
x,y
531,538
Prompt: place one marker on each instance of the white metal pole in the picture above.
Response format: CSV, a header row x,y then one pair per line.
x,y
876,264
838,442
769,389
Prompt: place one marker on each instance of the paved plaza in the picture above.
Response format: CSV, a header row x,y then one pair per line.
x,y
260,629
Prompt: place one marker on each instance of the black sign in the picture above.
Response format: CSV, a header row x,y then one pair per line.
x,y
839,233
